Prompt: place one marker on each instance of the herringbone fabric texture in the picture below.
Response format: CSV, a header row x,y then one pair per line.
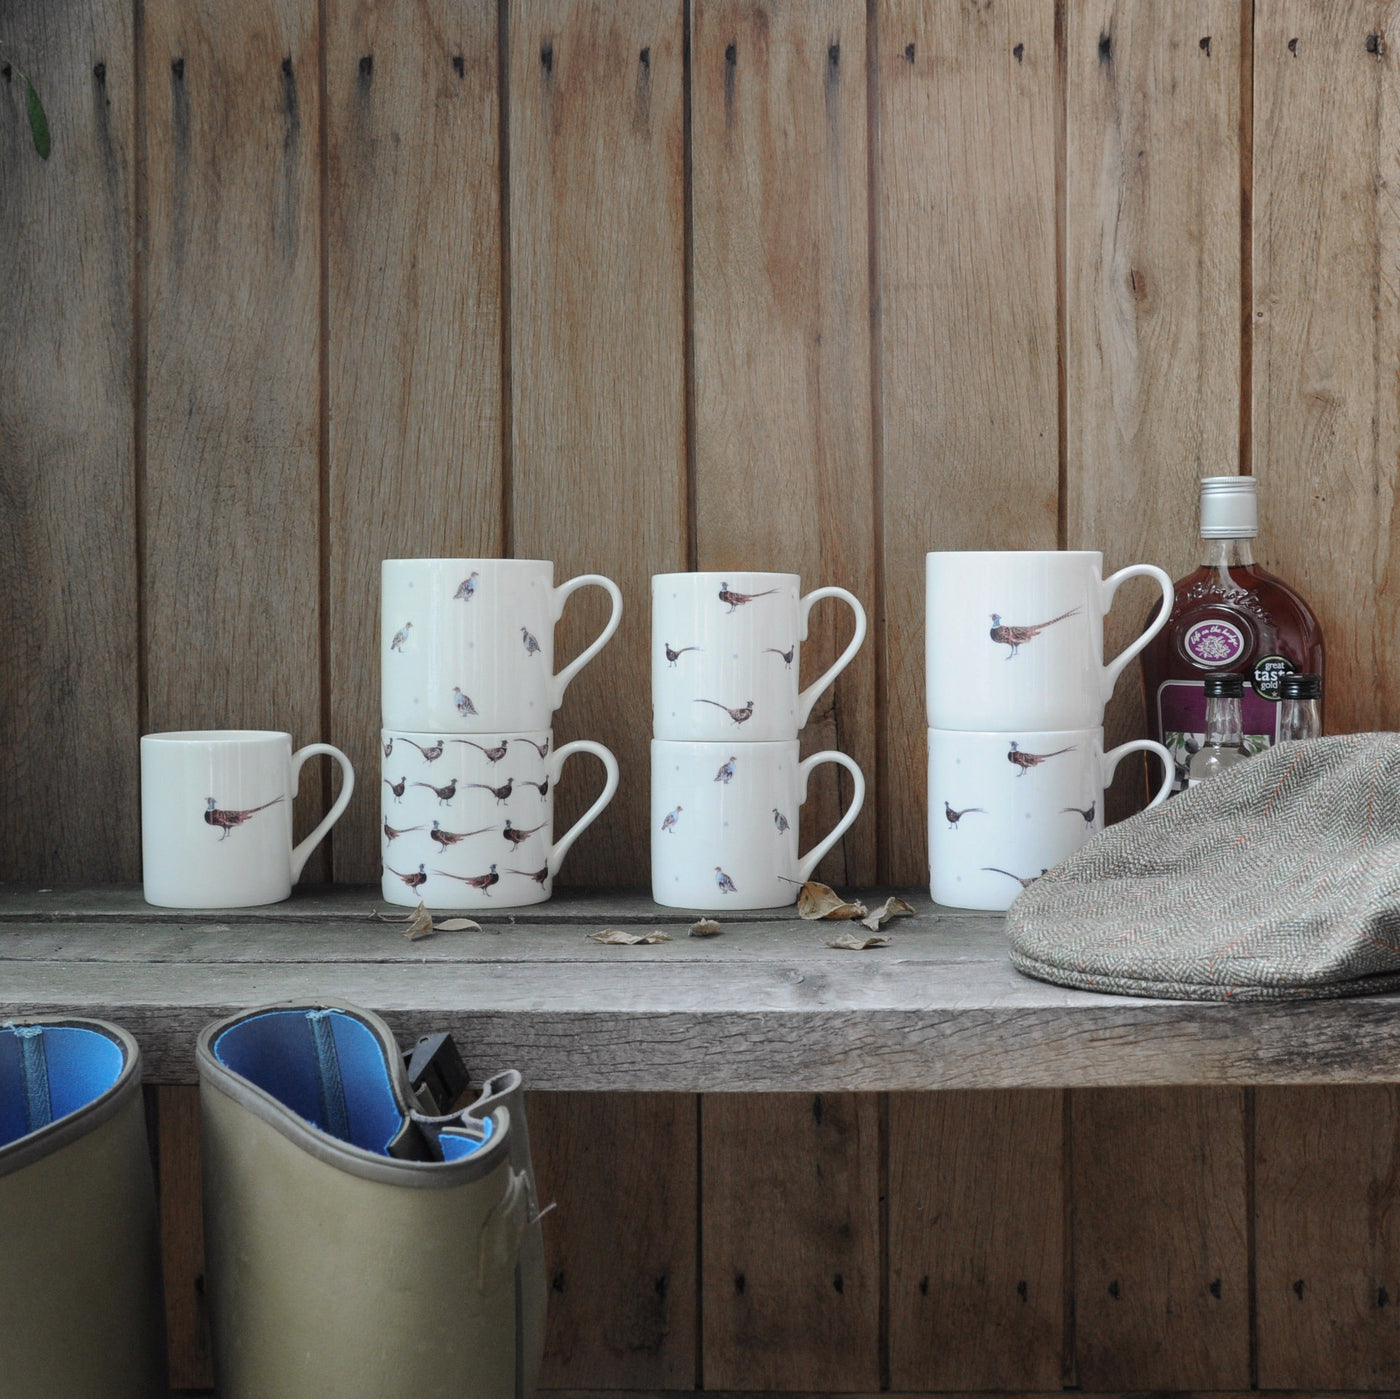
x,y
1277,880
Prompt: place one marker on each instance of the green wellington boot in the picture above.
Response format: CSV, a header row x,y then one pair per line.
x,y
355,1246
81,1314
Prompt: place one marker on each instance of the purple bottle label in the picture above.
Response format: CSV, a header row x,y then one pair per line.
x,y
1181,711
1214,643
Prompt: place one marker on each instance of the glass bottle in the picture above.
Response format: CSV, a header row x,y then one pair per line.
x,y
1228,615
1224,737
1300,715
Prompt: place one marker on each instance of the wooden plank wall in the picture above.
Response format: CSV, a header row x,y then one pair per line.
x,y
676,283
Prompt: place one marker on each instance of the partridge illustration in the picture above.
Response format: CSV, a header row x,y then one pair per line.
x,y
672,656
541,787
388,746
397,787
726,772
227,820
392,833
1024,883
726,885
516,836
477,881
1086,812
786,655
416,880
431,753
739,599
493,755
955,816
444,794
740,716
466,589
1025,761
446,838
539,876
781,821
541,748
400,637
501,793
669,820
1016,637
532,647
463,702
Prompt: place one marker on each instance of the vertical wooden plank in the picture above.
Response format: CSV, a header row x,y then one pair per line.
x,y
67,470
182,1237
790,1253
231,568
1160,1239
597,361
976,1202
621,1299
1326,239
1152,285
414,257
782,342
968,327
1328,1237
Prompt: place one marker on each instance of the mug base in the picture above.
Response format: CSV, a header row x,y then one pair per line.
x,y
160,899
469,899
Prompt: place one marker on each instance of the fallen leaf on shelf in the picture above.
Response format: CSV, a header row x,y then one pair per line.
x,y
819,901
705,928
457,925
849,942
891,908
615,937
420,925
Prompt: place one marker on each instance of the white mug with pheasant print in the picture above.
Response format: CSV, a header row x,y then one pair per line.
x,y
216,816
1014,638
467,645
469,822
724,822
1006,807
726,653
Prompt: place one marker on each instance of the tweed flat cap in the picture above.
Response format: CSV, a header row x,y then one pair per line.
x,y
1277,880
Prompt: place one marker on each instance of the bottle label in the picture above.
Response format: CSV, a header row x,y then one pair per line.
x,y
1268,676
1181,711
1214,643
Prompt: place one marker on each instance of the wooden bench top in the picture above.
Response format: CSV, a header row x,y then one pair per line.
x,y
766,1006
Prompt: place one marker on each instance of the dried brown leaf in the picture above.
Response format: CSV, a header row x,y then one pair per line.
x,y
818,901
420,925
891,908
615,937
705,928
458,925
849,942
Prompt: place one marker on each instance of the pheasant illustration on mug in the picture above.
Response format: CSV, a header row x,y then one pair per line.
x,y
955,816
477,881
673,654
1024,883
462,701
1026,761
740,716
227,821
671,819
493,755
466,589
786,655
734,600
532,646
1087,812
401,637
1016,637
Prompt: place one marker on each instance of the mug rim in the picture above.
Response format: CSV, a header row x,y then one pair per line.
x,y
1013,553
738,745
182,737
448,735
1005,735
531,563
722,574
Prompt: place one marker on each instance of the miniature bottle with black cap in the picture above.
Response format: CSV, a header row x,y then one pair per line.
x,y
1229,615
1224,736
1300,715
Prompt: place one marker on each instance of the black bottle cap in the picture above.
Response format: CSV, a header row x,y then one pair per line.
x,y
1304,687
1226,686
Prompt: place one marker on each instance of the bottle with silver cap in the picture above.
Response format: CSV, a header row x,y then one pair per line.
x,y
1227,615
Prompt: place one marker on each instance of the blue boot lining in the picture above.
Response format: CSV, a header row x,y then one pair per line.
x,y
49,1071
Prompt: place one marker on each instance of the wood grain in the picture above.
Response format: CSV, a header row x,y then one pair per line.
x,y
231,562
1328,1237
69,703
597,254
976,1265
790,1254
1326,239
1152,286
1161,1290
621,1300
968,338
782,344
182,1237
414,259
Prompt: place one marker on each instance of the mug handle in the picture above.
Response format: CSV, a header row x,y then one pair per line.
x,y
561,595
560,848
809,696
1114,668
1141,745
809,861
347,790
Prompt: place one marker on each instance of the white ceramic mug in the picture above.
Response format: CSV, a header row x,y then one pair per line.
x,y
724,821
1004,808
216,816
468,821
467,645
726,650
1014,640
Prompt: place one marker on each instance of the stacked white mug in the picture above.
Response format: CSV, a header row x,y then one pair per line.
x,y
1016,689
468,696
726,779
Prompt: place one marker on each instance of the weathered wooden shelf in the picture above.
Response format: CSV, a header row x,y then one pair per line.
x,y
767,1006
